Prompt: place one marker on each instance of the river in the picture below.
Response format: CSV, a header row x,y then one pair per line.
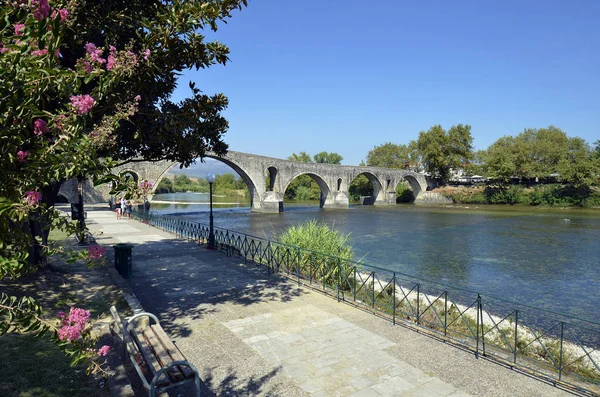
x,y
525,254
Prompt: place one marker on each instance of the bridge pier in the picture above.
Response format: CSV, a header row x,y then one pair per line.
x,y
271,202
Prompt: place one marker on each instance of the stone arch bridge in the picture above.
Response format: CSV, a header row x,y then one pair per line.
x,y
256,171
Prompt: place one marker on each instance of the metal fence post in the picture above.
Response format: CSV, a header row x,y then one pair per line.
x,y
373,290
394,300
418,303
477,330
445,313
562,332
354,284
516,335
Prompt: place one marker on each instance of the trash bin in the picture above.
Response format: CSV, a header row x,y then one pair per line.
x,y
123,262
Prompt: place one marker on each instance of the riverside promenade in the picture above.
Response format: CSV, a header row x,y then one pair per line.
x,y
250,333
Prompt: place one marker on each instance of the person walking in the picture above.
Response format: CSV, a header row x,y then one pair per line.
x,y
128,209
118,208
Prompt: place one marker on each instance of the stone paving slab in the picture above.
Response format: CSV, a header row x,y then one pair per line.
x,y
252,333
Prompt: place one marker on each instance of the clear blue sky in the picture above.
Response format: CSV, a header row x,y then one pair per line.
x,y
345,76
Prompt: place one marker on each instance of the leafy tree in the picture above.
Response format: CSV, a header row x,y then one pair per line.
x,y
579,167
390,155
302,157
328,158
85,86
165,186
360,186
444,151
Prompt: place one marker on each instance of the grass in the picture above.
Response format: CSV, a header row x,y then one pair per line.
x,y
36,367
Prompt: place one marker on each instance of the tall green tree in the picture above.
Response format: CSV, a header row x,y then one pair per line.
x,y
443,151
391,155
328,158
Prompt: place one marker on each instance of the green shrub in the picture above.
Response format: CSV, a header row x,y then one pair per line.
x,y
323,252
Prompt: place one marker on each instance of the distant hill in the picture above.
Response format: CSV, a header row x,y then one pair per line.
x,y
200,170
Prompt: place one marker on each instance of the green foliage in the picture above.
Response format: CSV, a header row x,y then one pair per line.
x,y
443,151
390,155
322,252
404,194
328,158
165,186
85,92
360,186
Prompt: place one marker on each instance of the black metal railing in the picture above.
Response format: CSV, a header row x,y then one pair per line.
x,y
561,349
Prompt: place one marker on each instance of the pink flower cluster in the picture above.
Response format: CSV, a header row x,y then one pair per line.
x,y
63,13
19,29
32,198
103,351
146,54
146,187
96,251
82,103
22,156
73,324
42,9
39,127
39,52
94,53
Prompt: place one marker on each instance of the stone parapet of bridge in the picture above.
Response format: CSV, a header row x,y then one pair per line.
x,y
268,178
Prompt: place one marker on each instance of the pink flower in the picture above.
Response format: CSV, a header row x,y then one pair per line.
x,y
32,198
22,156
138,98
39,127
103,351
43,9
57,53
82,103
19,28
95,53
146,54
111,62
40,52
96,251
3,49
61,315
63,13
73,324
87,67
69,332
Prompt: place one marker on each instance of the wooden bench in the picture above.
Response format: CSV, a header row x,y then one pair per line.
x,y
158,362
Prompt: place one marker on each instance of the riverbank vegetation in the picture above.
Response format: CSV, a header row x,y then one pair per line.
x,y
535,167
226,184
323,253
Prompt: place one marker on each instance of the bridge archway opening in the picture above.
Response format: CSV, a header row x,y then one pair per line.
x,y
232,187
271,178
404,192
364,188
307,187
411,183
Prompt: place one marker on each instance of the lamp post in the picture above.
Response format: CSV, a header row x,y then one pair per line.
x,y
211,233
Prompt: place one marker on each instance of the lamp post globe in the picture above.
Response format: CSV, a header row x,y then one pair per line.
x,y
211,233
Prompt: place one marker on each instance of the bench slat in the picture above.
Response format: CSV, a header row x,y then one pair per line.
x,y
162,354
149,358
172,350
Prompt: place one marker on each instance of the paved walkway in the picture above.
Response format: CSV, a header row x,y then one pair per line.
x,y
250,333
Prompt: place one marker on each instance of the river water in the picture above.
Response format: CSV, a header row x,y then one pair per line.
x,y
525,254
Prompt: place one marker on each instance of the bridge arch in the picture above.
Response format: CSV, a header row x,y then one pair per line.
x,y
326,190
376,185
248,180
